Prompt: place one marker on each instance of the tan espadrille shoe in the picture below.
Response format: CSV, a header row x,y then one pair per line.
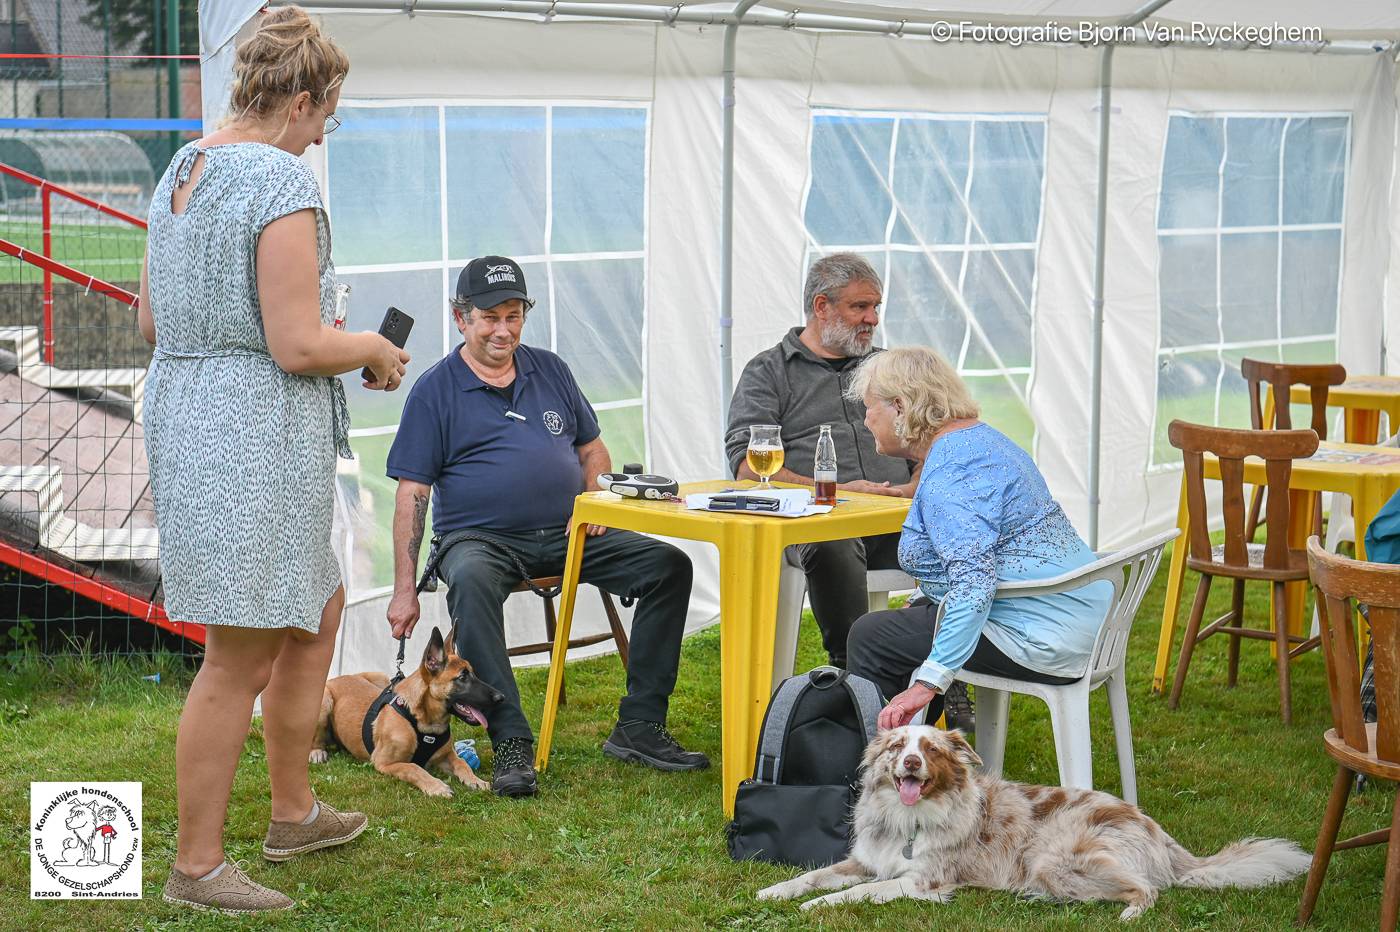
x,y
231,892
288,839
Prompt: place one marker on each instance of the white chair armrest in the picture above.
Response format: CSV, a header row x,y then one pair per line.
x,y
1107,567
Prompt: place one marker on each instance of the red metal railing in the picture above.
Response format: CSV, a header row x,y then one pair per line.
x,y
46,191
54,267
109,596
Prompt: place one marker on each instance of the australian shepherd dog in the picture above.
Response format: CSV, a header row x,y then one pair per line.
x,y
928,823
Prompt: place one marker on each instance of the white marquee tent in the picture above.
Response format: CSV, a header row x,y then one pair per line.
x,y
1248,196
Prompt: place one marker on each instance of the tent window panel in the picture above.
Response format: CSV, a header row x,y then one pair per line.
x,y
624,432
1275,224
419,294
1315,161
1248,287
1002,399
599,179
1005,198
1312,264
1190,196
957,244
539,326
1186,389
1186,276
998,286
495,181
380,212
370,494
1251,172
849,200
598,310
1234,391
921,304
931,164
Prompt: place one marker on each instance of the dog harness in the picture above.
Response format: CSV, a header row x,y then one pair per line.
x,y
428,743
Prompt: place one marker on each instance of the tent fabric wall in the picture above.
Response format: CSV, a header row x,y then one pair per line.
x,y
782,76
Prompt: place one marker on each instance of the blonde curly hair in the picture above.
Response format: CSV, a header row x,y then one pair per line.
x,y
925,384
286,55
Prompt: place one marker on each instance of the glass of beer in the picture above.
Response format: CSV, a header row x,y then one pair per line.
x,y
765,453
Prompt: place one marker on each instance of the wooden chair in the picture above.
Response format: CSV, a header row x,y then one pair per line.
x,y
616,632
1282,376
1372,749
1238,559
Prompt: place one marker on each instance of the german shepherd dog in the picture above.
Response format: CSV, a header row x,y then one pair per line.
x,y
927,823
443,686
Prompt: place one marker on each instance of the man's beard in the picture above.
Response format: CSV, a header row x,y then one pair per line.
x,y
840,337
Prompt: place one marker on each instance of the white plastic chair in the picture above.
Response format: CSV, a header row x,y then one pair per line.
x,y
792,593
1131,572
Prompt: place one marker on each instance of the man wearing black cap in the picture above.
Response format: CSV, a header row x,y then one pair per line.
x,y
500,437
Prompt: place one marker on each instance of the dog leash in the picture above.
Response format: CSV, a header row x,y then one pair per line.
x,y
439,547
398,662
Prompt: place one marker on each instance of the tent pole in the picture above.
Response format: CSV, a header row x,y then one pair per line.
x,y
1100,246
726,220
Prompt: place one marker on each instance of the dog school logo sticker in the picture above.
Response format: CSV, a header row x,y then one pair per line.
x,y
85,841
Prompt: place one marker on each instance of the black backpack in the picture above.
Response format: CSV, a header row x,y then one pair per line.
x,y
796,810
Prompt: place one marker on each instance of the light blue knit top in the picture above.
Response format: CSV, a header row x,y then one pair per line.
x,y
981,515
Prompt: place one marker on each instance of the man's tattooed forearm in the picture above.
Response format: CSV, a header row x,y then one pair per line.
x,y
420,517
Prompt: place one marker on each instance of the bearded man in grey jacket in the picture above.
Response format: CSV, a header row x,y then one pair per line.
x,y
800,385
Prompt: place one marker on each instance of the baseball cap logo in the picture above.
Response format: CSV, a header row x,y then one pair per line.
x,y
500,273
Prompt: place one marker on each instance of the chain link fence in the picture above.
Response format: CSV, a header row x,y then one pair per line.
x,y
95,110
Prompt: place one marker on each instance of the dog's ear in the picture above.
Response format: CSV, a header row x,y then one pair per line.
x,y
452,640
434,655
962,750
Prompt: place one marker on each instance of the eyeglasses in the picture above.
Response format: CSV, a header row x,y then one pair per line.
x,y
332,124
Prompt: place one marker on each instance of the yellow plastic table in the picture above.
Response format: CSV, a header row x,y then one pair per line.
x,y
1363,398
1369,474
750,560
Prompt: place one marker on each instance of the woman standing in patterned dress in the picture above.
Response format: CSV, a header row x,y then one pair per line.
x,y
244,418
981,514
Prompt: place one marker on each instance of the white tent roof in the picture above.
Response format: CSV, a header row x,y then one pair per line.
x,y
1354,19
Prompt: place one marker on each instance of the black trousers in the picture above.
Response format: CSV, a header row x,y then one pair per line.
x,y
836,583
887,647
479,577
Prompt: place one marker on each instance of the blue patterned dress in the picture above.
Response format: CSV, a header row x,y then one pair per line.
x,y
242,454
981,515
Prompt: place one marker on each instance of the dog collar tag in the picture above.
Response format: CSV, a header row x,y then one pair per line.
x,y
908,851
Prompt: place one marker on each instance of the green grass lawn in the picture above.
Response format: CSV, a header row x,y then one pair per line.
x,y
110,250
608,845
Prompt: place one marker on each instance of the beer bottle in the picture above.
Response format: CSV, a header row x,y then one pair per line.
x,y
824,469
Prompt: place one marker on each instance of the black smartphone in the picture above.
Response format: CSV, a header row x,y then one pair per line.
x,y
743,503
395,329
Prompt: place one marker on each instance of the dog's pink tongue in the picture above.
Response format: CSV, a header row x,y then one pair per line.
x,y
480,715
909,789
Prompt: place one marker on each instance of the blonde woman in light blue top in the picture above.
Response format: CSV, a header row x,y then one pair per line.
x,y
981,515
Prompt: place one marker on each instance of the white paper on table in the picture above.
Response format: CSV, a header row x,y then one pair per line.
x,y
792,503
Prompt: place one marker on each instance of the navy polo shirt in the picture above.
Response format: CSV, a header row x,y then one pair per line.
x,y
488,470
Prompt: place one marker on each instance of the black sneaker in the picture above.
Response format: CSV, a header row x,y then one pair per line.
x,y
513,769
651,744
958,709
